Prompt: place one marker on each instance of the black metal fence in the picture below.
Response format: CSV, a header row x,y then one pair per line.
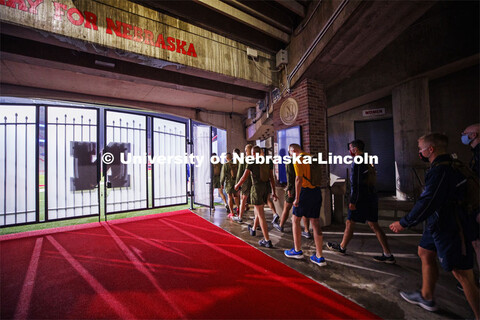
x,y
19,174
72,175
70,141
169,179
126,183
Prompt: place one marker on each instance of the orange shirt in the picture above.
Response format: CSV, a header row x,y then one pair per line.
x,y
303,170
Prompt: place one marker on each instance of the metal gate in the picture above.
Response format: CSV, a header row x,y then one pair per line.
x,y
56,148
202,147
125,181
18,166
169,142
71,163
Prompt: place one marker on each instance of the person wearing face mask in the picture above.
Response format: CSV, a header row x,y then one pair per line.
x,y
443,234
363,205
471,137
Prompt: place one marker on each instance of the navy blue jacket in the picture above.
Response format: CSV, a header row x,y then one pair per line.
x,y
475,162
360,191
437,203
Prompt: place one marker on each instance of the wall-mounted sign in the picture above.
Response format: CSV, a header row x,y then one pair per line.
x,y
374,112
289,111
131,27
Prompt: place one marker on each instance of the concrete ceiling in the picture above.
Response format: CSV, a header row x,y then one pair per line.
x,y
55,66
40,76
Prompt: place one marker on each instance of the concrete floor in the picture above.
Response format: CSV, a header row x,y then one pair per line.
x,y
356,276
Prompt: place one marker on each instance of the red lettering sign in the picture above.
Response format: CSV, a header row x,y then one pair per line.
x,y
121,29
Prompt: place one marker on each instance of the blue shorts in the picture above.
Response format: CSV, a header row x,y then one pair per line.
x,y
452,252
366,211
309,204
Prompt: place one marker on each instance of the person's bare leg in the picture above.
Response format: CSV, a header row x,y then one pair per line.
x,y
429,272
306,224
467,280
256,220
382,238
263,221
230,202
286,210
476,247
220,193
237,200
243,205
348,234
271,205
317,236
297,232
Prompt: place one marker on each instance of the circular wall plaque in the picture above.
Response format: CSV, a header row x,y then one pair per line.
x,y
289,111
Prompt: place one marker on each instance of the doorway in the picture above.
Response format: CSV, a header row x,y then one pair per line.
x,y
378,138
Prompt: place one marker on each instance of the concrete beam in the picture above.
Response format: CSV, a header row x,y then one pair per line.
x,y
293,6
247,19
387,90
259,15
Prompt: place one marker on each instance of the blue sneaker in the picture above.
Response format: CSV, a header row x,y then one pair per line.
x,y
265,243
293,254
416,298
306,234
318,261
252,231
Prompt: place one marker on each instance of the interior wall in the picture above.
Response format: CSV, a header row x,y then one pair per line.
x,y
341,131
234,125
454,105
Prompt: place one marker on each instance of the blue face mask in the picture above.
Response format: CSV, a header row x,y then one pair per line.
x,y
466,140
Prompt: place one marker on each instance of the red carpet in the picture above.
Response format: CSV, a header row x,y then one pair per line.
x,y
174,265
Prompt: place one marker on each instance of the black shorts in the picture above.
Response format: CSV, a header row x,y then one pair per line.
x,y
452,251
309,204
365,211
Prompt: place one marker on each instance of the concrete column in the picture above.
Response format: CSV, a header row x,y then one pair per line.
x,y
411,119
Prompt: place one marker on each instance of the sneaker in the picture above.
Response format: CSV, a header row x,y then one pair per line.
x,y
252,231
237,219
230,215
228,209
293,254
416,298
265,243
276,219
278,227
383,258
336,247
318,261
306,234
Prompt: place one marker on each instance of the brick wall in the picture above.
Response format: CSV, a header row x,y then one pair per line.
x,y
312,117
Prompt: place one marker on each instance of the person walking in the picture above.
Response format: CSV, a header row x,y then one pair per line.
x,y
259,174
363,206
308,202
227,179
245,190
443,234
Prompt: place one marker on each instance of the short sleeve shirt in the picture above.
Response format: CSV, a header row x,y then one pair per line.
x,y
303,170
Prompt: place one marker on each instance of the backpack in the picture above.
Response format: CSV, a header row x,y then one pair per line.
x,y
468,207
264,172
216,169
470,203
233,170
316,174
371,176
